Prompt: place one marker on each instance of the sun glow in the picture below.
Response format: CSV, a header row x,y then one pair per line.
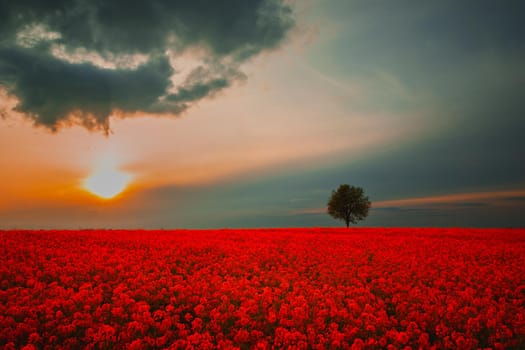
x,y
107,181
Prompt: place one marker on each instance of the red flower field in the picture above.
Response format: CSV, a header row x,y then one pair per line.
x,y
263,289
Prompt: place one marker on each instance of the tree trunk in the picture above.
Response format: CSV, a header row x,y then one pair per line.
x,y
348,216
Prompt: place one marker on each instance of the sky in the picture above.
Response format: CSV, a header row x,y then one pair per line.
x,y
248,113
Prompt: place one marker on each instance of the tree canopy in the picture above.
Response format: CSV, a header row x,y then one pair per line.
x,y
348,203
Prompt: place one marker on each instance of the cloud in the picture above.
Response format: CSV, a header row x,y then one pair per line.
x,y
430,203
85,60
51,91
458,199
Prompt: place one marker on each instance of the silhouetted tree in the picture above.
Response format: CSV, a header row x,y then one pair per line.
x,y
348,203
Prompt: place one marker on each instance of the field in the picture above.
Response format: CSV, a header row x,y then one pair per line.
x,y
282,288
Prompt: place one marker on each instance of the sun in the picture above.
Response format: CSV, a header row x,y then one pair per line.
x,y
107,181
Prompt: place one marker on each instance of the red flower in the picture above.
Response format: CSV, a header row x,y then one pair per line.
x,y
293,288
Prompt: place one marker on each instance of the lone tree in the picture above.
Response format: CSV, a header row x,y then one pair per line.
x,y
348,203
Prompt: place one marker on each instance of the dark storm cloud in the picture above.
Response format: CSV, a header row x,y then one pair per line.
x,y
198,91
244,27
51,88
203,82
